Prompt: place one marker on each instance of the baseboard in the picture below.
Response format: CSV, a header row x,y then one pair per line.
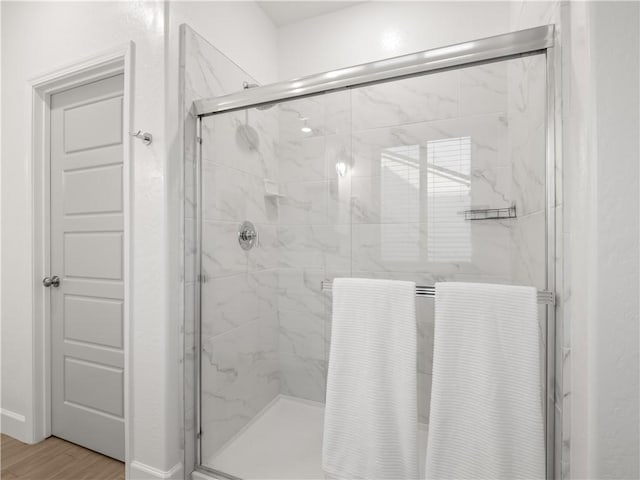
x,y
306,401
140,471
13,424
196,475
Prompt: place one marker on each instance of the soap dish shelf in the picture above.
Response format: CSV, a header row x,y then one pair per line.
x,y
271,189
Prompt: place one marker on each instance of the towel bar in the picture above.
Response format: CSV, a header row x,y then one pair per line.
x,y
545,297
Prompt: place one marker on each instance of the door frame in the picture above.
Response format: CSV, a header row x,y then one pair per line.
x,y
118,60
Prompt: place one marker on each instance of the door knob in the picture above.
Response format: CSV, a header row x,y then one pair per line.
x,y
51,282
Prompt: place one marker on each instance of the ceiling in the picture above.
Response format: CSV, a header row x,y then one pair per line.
x,y
284,13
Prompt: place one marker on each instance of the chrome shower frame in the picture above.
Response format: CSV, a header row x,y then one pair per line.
x,y
534,41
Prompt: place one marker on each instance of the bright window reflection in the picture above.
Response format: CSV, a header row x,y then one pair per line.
x,y
448,194
400,203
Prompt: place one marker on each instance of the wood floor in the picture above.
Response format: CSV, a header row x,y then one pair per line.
x,y
55,459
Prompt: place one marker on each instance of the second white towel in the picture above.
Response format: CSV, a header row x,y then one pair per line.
x,y
370,426
486,414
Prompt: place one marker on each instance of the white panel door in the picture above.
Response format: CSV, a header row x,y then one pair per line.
x,y
87,252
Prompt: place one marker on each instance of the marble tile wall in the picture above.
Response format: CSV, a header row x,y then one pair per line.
x,y
190,60
314,233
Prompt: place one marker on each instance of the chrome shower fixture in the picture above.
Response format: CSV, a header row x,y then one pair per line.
x,y
266,106
247,235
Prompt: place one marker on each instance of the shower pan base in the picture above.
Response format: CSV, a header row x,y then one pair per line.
x,y
284,442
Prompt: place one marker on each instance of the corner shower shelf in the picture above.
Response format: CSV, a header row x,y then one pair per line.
x,y
271,189
490,213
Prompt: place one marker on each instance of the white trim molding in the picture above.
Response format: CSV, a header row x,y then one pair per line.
x,y
196,475
140,471
12,423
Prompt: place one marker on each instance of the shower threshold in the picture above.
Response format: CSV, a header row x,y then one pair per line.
x,y
284,442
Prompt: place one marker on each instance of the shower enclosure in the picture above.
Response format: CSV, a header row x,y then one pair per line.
x,y
432,167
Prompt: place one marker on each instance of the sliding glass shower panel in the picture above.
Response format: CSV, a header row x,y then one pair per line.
x,y
398,180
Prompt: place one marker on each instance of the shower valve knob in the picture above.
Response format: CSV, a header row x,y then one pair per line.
x,y
247,236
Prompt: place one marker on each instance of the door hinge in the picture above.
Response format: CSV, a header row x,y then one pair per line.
x,y
199,140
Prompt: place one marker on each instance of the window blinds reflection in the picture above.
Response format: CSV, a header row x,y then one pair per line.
x,y
448,193
400,203
448,186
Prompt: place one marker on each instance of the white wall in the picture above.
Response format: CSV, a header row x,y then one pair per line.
x,y
376,30
580,276
239,29
601,169
614,373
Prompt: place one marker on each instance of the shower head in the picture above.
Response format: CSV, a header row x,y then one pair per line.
x,y
264,106
246,136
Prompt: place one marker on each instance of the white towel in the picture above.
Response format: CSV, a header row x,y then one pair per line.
x,y
370,423
486,414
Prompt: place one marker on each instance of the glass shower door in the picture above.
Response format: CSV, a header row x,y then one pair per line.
x,y
395,180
